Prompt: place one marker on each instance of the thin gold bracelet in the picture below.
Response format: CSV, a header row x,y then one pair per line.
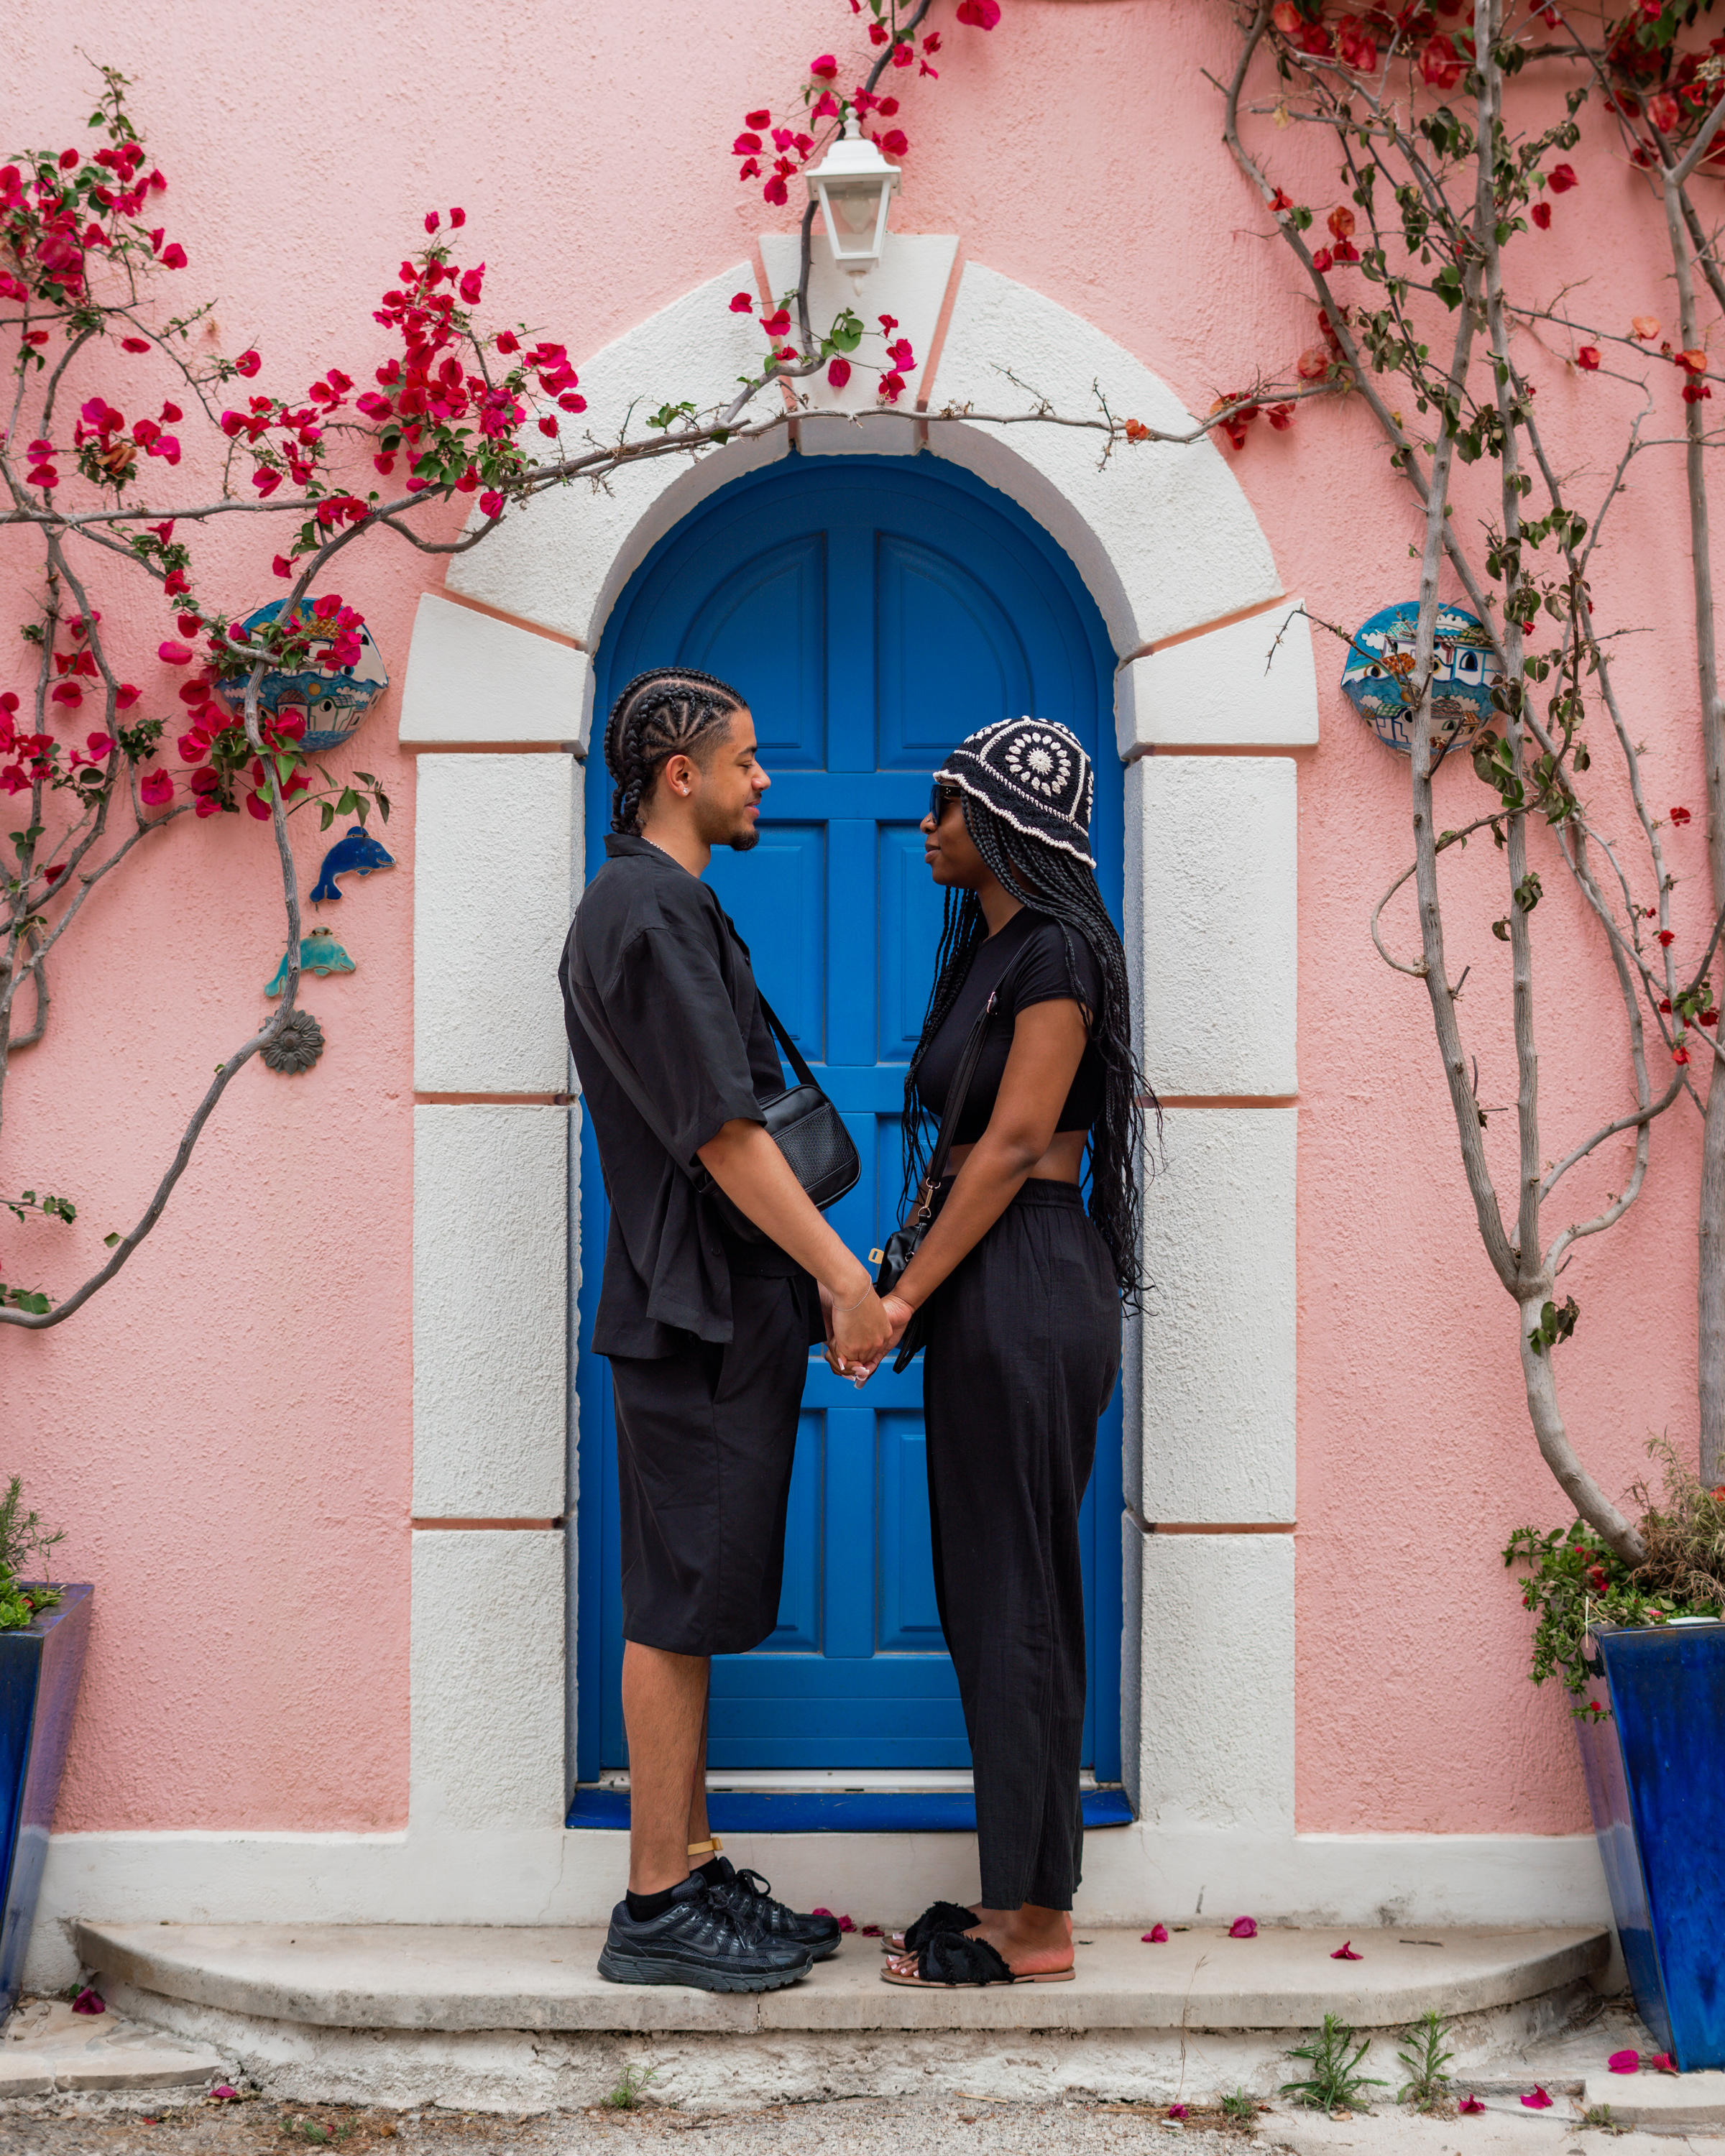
x,y
857,1304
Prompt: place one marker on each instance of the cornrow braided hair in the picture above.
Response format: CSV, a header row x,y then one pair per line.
x,y
661,713
1050,880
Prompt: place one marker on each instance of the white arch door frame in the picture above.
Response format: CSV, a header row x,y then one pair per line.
x,y
1212,656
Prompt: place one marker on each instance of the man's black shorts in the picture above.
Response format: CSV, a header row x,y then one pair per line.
x,y
704,1441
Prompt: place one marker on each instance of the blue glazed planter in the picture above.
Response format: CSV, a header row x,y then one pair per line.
x,y
1655,1781
39,1669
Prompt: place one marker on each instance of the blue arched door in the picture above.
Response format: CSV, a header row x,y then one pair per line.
x,y
873,611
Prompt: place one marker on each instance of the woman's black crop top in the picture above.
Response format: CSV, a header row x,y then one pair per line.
x,y
1044,976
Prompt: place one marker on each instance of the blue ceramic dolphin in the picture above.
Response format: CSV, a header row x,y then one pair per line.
x,y
358,851
320,953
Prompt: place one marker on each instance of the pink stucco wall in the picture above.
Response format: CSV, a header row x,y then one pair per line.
x,y
226,1432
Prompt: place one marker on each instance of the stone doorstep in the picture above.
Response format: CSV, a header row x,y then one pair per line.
x,y
46,2048
374,1978
1670,2102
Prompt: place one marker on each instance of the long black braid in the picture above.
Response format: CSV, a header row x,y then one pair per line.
x,y
661,713
1051,882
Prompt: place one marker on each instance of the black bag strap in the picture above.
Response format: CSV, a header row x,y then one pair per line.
x,y
593,1024
805,1076
958,1091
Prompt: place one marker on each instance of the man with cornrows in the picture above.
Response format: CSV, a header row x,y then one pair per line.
x,y
716,1284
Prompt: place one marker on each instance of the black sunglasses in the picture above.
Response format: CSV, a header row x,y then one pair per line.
x,y
940,794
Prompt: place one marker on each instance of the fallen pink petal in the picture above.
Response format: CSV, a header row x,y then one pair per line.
x,y
1662,2062
90,2001
870,1932
1471,2103
1176,2111
1539,2101
1624,2062
1156,1936
222,2093
1345,1952
1243,1927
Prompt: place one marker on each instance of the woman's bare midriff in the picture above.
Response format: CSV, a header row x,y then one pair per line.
x,y
1060,1163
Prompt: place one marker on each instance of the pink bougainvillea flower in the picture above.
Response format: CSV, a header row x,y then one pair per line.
x,y
1345,1952
492,503
1679,816
777,322
891,387
156,788
760,119
1587,357
223,2093
1539,2101
173,255
1440,64
458,218
1624,2062
135,344
1560,178
837,372
742,303
1662,2062
125,696
265,480
980,14
1470,2103
895,142
1156,1936
775,192
470,285
257,806
90,2001
432,220
825,66
1176,2111
247,363
173,654
1541,215
1243,1927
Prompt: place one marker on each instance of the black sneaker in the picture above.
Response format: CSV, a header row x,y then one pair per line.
x,y
700,1939
751,1897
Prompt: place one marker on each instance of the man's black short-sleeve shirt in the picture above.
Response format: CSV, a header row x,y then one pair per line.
x,y
674,981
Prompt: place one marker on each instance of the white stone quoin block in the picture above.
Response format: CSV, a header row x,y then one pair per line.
x,y
909,283
1214,1400
496,870
1251,684
563,559
472,678
487,1676
1164,536
1212,845
490,1312
1216,1733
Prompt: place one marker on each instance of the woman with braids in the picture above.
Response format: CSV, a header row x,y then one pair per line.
x,y
715,1286
1021,1286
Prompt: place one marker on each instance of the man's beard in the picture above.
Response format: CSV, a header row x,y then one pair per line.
x,y
744,842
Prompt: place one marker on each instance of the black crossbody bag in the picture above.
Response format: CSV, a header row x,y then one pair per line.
x,y
903,1242
801,1122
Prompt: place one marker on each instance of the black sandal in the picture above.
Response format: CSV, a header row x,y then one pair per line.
x,y
937,1916
951,1961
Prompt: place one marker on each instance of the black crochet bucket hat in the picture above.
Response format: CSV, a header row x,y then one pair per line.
x,y
1034,776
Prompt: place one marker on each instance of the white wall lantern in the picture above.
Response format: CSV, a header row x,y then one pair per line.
x,y
854,185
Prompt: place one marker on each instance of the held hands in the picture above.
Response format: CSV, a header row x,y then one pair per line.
x,y
858,1332
898,1314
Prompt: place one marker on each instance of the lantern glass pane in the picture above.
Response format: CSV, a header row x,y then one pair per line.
x,y
853,211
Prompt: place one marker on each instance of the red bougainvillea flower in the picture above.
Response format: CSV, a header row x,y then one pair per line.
x,y
52,875
173,654
492,503
1664,111
1667,937
838,374
90,2001
156,787
257,806
826,67
1541,215
1243,1927
1356,43
757,119
1156,1936
1678,1055
223,2093
1345,1952
1662,2062
173,255
1539,2101
247,364
777,322
1440,63
1681,816
980,14
1470,2103
1176,2111
125,696
1560,178
265,480
895,141
1340,221
1645,327
1624,2062
742,303
1287,17
135,344
1280,416
1587,357
1597,1579
844,1922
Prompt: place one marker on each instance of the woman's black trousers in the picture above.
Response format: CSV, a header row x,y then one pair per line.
x,y
1023,1347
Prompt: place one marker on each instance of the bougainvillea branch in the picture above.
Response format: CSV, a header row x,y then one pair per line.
x,y
1437,191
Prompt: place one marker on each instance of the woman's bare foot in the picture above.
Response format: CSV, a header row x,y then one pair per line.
x,y
1031,1941
895,1940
